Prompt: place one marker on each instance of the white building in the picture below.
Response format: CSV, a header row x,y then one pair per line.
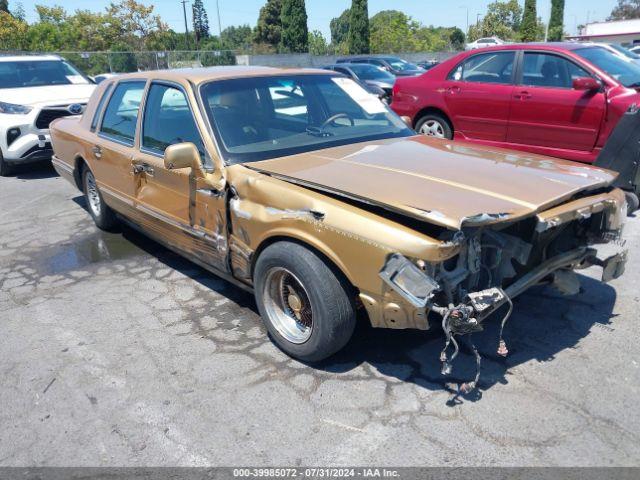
x,y
623,32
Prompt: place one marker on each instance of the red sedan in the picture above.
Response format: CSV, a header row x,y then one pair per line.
x,y
558,99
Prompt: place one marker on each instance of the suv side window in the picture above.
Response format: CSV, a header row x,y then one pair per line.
x,y
168,120
121,116
96,115
548,70
490,67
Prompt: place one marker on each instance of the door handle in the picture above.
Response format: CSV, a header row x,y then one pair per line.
x,y
138,168
453,90
524,95
97,151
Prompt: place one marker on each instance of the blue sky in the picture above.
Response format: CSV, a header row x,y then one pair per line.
x,y
320,12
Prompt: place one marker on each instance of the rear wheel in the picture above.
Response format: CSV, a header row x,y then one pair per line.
x,y
308,310
632,202
5,168
434,125
101,213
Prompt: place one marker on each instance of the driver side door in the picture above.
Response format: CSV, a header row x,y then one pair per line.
x,y
171,206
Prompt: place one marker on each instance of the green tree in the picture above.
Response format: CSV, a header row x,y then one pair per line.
x,y
295,34
339,27
456,38
392,31
13,32
200,21
503,20
556,21
625,10
235,38
529,26
268,31
359,27
317,43
4,6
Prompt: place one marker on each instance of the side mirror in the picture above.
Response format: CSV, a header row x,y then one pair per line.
x,y
586,83
181,155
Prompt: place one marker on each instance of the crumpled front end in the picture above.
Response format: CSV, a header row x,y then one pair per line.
x,y
495,262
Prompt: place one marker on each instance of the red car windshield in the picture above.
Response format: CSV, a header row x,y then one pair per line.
x,y
623,69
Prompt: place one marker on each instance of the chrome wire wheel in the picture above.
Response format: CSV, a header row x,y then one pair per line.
x,y
432,128
93,196
287,305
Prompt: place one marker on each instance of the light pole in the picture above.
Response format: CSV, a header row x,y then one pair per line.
x,y
467,9
219,22
186,27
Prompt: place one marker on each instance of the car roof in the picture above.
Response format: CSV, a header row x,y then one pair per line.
x,y
205,74
27,58
537,45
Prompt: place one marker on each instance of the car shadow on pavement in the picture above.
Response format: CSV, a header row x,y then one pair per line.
x,y
34,171
543,324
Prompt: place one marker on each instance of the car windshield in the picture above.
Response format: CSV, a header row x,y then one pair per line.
x,y
624,51
258,118
371,72
37,73
623,69
401,65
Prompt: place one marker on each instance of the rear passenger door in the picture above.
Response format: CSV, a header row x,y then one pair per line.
x,y
111,153
477,93
169,202
545,109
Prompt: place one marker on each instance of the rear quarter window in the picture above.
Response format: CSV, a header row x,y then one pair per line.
x,y
101,102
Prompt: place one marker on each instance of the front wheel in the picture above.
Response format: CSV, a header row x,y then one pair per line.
x,y
434,125
101,213
308,310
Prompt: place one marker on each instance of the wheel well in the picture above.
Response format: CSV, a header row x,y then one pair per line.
x,y
330,263
428,110
79,166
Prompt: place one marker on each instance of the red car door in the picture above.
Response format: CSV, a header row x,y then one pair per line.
x,y
478,92
546,110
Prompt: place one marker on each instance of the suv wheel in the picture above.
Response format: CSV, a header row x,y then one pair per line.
x,y
102,215
434,125
308,310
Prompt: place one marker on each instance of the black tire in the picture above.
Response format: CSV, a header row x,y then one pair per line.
x,y
103,216
441,120
632,202
330,297
5,168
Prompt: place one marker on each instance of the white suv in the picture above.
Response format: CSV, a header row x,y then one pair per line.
x,y
484,42
34,90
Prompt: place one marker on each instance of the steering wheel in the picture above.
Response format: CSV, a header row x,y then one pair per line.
x,y
335,117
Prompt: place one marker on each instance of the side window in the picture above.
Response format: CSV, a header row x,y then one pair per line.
x,y
547,70
168,120
343,70
289,102
121,115
492,67
96,115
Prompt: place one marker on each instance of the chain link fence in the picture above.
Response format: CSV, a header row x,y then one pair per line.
x,y
94,63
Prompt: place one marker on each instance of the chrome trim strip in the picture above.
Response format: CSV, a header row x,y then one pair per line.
x,y
62,165
115,195
181,226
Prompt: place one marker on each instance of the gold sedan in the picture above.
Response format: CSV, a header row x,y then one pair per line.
x,y
300,186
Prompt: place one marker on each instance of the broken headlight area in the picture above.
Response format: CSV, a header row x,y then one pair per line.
x,y
493,265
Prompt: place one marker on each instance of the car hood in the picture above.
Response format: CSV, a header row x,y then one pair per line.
x,y
48,95
451,184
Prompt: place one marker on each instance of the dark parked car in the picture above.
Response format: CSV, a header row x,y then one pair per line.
x,y
428,64
374,79
394,65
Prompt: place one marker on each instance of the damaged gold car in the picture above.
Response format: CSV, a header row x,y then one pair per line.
x,y
301,187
